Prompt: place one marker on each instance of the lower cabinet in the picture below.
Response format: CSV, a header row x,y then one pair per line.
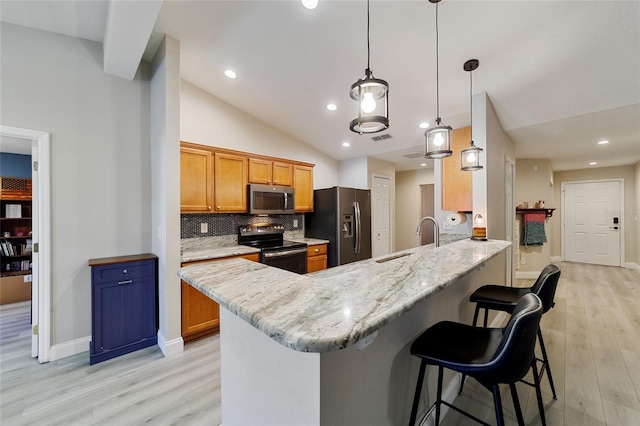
x,y
316,258
123,305
201,315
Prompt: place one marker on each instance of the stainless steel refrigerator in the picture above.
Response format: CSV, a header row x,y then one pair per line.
x,y
342,216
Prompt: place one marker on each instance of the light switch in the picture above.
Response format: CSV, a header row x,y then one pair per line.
x,y
204,228
295,223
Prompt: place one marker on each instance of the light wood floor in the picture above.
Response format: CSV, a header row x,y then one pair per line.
x,y
592,336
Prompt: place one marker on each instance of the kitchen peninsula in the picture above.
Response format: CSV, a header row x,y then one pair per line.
x,y
333,347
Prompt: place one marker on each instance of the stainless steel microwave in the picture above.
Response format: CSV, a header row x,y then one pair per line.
x,y
268,199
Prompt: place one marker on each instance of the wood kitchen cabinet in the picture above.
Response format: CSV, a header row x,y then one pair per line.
x,y
196,180
303,188
215,179
230,183
267,172
201,315
123,305
457,184
316,258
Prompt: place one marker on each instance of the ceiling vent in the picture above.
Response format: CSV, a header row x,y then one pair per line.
x,y
414,155
381,137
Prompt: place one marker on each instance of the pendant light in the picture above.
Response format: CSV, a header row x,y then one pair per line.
x,y
470,157
372,95
438,136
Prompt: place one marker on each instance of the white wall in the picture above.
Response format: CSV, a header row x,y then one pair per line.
x,y
408,206
165,200
533,183
353,173
208,120
100,171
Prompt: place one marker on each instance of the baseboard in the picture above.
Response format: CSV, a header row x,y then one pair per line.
x,y
66,349
527,274
170,347
556,258
26,303
633,266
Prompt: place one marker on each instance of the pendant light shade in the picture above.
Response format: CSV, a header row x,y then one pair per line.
x,y
470,157
372,95
438,136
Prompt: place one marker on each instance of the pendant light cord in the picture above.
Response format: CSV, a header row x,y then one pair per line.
x,y
368,47
471,102
437,71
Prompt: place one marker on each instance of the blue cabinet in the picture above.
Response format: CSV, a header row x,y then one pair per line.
x,y
123,305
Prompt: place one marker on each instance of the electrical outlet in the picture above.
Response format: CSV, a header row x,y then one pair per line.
x,y
447,225
523,260
204,228
295,223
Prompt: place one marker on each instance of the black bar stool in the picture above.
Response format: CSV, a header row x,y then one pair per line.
x,y
490,355
501,298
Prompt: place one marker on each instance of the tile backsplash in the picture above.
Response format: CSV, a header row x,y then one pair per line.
x,y
220,224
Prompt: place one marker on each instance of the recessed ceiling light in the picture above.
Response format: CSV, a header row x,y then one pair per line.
x,y
593,163
423,164
310,4
423,125
346,144
332,107
603,142
230,74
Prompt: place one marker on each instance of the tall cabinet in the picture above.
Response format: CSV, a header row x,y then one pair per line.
x,y
15,240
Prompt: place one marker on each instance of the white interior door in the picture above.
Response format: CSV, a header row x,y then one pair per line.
x,y
380,220
592,222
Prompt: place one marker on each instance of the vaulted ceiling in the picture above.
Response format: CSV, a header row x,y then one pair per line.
x,y
562,75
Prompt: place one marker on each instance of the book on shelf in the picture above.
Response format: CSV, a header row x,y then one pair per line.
x,y
13,210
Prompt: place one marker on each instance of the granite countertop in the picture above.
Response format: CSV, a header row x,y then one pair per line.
x,y
309,241
332,309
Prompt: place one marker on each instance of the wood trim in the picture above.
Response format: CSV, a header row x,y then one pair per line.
x,y
121,259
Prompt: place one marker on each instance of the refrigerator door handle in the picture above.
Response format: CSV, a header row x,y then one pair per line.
x,y
356,208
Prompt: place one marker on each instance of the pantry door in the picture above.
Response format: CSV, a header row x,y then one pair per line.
x,y
592,222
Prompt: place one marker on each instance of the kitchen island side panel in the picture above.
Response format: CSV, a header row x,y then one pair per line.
x,y
263,382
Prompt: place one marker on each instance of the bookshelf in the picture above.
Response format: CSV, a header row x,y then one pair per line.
x,y
15,240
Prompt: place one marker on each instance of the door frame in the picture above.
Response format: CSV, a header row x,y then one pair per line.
x,y
41,285
509,221
623,227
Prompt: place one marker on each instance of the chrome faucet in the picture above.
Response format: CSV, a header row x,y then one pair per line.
x,y
436,229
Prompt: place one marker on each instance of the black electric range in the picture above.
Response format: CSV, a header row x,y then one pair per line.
x,y
274,249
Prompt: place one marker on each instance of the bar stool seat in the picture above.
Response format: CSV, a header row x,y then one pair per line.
x,y
490,355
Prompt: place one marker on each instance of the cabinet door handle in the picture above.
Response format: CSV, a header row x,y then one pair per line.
x,y
125,282
317,250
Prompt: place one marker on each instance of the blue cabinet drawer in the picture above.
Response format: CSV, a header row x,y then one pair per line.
x,y
122,271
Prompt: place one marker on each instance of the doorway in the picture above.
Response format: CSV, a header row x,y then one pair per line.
x,y
593,228
427,209
37,143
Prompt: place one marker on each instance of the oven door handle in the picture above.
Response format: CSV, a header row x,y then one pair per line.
x,y
272,254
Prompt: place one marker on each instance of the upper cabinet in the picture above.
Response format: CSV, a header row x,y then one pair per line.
x,y
230,184
215,179
303,188
196,180
457,184
267,172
